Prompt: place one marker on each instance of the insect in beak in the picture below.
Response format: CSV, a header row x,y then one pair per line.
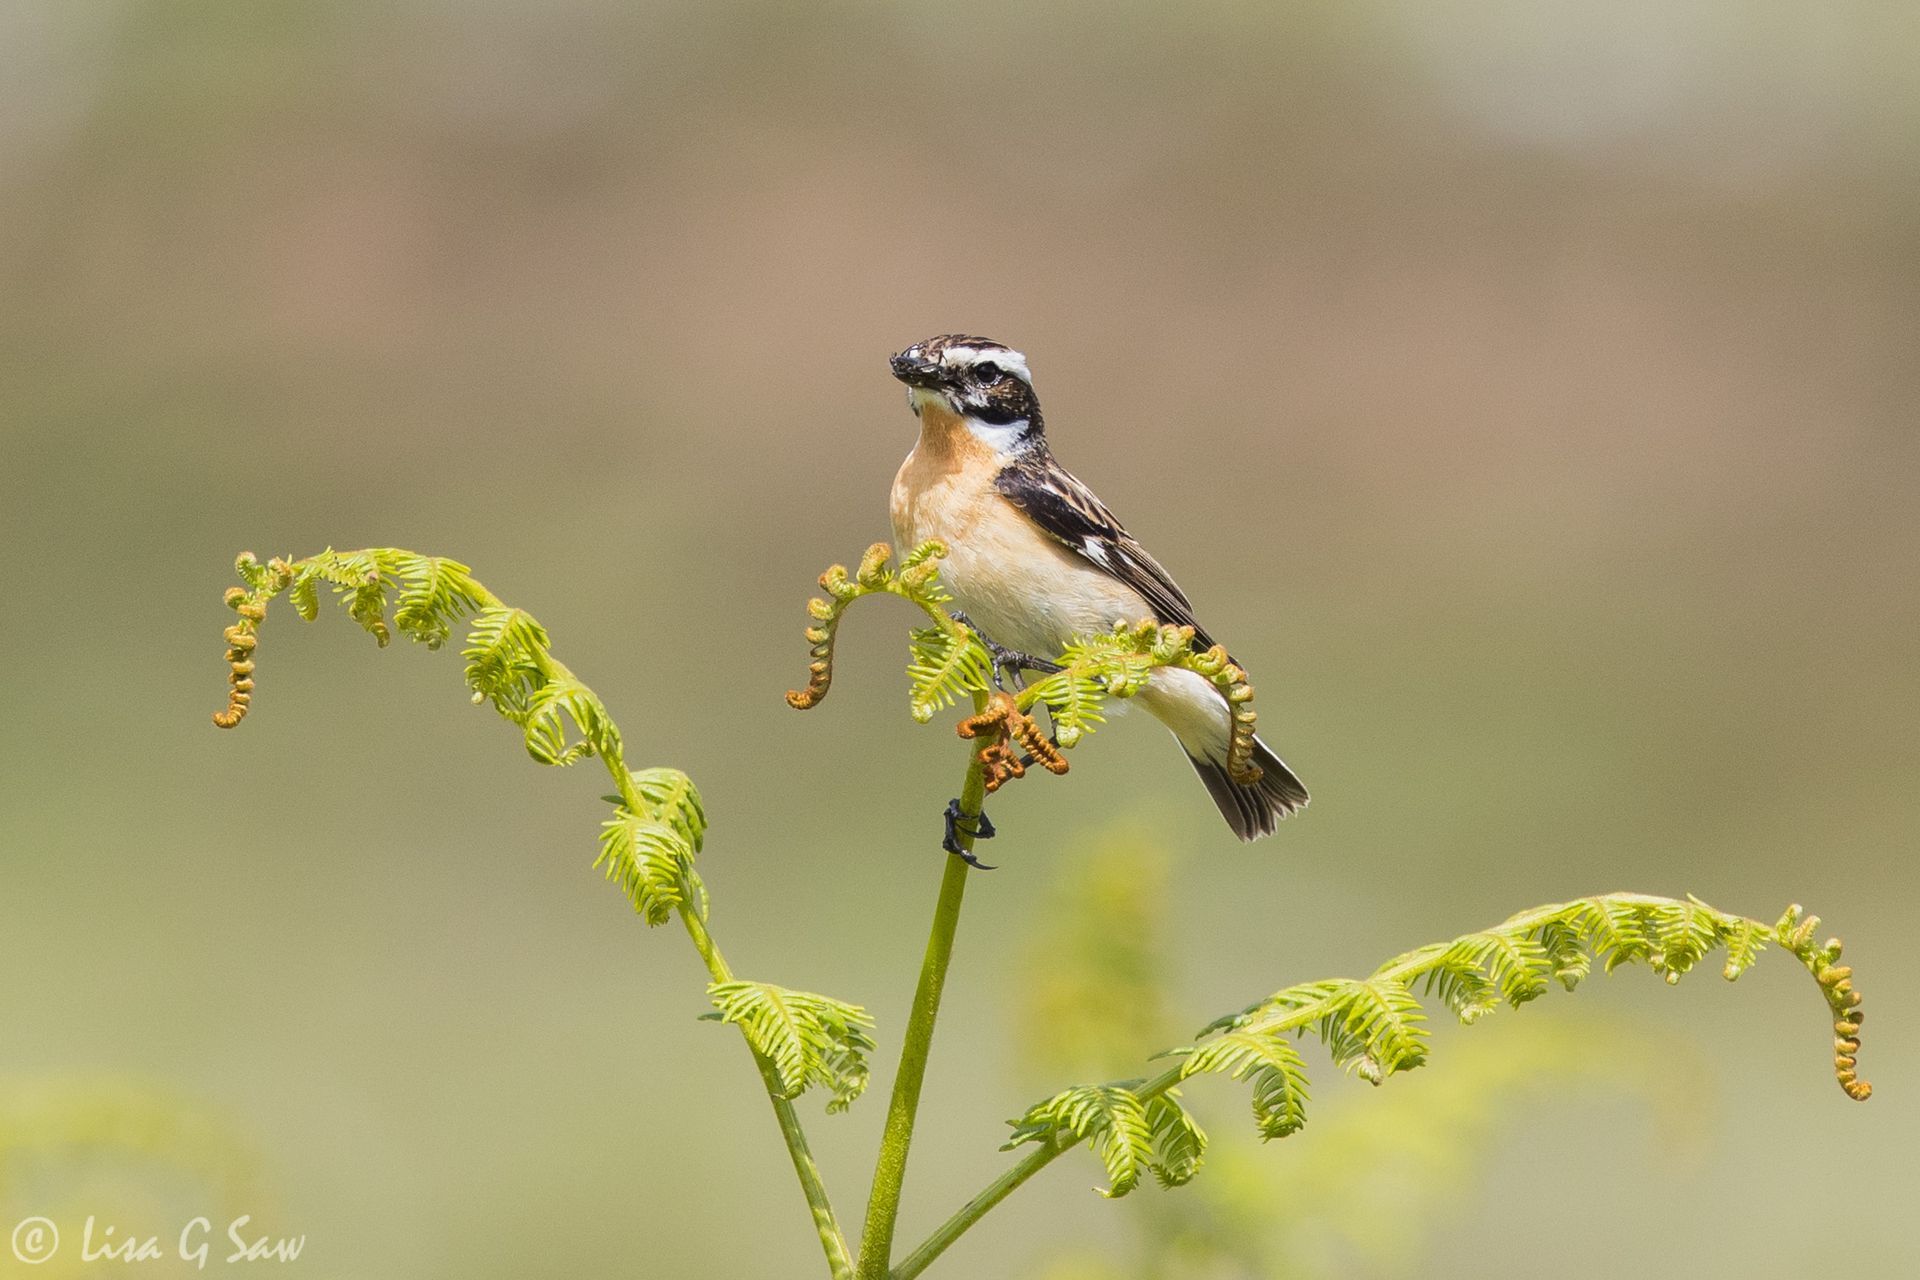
x,y
915,369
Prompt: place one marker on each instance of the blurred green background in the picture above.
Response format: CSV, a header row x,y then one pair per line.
x,y
1526,391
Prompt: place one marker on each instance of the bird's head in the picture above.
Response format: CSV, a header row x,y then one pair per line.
x,y
983,382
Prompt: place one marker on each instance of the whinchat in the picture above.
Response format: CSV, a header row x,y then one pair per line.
x,y
1035,560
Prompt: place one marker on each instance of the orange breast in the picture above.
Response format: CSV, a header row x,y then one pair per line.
x,y
1019,585
945,486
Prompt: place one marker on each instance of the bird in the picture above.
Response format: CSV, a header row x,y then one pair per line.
x,y
1035,560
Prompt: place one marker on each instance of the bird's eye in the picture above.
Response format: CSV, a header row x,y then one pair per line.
x,y
987,372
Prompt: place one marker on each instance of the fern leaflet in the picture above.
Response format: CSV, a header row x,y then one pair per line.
x,y
946,664
653,863
1179,1143
809,1040
1110,1116
676,800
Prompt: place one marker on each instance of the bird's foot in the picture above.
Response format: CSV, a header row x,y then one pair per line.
x,y
957,822
1006,661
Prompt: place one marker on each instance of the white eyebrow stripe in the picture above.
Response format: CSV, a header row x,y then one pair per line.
x,y
1007,358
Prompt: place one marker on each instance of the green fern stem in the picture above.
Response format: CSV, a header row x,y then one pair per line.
x,y
833,1241
890,1170
983,1203
439,593
1743,940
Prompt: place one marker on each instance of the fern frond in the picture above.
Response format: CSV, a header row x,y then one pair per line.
x,y
948,660
305,595
1179,1143
1074,697
504,653
919,577
939,671
1567,959
653,863
659,820
1120,663
1376,1026
676,800
344,569
435,594
946,665
359,578
1111,1117
1517,963
1271,1064
546,730
658,823
1796,934
1745,940
1683,933
1615,930
928,552
809,1040
1463,989
822,627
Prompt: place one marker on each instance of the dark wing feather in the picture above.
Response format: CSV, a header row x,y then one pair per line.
x,y
1067,511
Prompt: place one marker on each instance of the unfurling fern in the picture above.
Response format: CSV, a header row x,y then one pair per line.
x,y
1132,1134
1375,1026
1112,1117
946,665
648,844
653,861
1179,1143
1073,697
949,662
1268,1061
673,796
435,593
502,662
810,1039
551,707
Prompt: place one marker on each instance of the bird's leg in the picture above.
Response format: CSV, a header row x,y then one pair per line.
x,y
1008,661
983,830
1017,663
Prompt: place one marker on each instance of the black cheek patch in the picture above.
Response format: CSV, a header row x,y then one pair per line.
x,y
1007,401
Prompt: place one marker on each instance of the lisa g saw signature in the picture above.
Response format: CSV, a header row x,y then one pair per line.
x,y
37,1240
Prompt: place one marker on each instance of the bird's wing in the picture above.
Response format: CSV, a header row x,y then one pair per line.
x,y
1067,511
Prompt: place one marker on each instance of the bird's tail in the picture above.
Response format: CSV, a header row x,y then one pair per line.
x,y
1253,811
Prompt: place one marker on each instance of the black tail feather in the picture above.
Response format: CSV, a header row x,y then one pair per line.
x,y
1254,811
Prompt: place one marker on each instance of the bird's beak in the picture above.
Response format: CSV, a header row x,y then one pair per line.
x,y
914,369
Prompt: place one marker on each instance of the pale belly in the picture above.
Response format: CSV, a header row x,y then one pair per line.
x,y
1020,587
1027,592
1052,598
1062,598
